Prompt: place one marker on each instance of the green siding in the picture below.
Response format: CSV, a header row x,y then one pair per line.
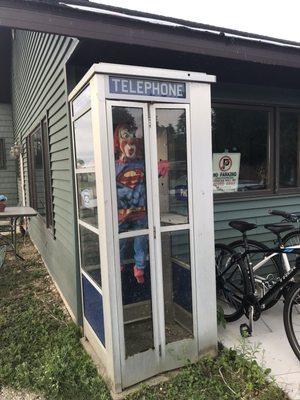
x,y
8,180
39,89
252,210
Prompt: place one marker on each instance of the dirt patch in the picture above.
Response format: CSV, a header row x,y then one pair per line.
x,y
11,394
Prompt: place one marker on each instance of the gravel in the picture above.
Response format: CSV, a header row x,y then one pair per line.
x,y
12,394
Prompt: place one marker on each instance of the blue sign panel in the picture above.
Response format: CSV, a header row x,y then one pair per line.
x,y
146,87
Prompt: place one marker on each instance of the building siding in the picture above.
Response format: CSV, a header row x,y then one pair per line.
x,y
252,210
38,91
8,179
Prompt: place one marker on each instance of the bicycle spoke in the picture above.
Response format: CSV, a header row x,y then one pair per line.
x,y
230,265
236,288
229,296
229,277
233,294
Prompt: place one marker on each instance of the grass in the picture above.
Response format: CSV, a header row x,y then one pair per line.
x,y
40,347
40,350
231,376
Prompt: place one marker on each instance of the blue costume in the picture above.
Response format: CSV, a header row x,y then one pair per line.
x,y
131,196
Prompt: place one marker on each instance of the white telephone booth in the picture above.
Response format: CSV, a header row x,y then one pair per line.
x,y
143,165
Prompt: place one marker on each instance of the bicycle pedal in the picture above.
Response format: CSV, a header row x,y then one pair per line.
x,y
245,330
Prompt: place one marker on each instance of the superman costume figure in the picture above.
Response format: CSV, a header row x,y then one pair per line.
x,y
131,194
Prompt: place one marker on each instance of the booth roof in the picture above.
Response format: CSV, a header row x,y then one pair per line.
x,y
92,7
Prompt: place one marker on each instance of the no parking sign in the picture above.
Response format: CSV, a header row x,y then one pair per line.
x,y
226,169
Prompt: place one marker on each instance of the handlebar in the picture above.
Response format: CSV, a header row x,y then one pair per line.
x,y
292,217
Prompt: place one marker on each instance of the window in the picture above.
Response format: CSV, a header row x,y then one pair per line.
x,y
255,150
39,173
2,154
289,149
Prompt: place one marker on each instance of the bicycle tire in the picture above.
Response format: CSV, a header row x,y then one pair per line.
x,y
292,319
292,239
292,235
275,268
231,283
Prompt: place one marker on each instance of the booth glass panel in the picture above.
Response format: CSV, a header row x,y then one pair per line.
x,y
90,254
176,264
128,131
87,198
82,101
136,294
83,135
172,166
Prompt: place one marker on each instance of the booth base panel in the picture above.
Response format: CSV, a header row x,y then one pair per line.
x,y
139,337
116,392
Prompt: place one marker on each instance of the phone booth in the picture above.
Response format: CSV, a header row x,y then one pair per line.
x,y
143,165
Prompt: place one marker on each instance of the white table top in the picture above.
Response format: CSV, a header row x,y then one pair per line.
x,y
13,212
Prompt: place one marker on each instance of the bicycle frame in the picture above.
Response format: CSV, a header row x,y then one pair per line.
x,y
282,282
285,259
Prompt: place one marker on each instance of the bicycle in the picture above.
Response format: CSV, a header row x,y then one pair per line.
x,y
266,269
248,302
276,267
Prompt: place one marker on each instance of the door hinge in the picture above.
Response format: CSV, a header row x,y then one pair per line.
x,y
159,350
149,122
154,232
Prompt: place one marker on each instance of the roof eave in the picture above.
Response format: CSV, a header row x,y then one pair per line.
x,y
70,22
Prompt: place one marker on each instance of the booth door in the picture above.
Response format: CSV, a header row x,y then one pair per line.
x,y
153,240
172,209
128,128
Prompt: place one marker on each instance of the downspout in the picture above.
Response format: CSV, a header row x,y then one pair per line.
x,y
22,179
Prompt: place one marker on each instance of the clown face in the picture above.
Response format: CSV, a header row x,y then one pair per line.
x,y
127,142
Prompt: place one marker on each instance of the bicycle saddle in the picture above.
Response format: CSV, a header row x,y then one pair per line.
x,y
242,226
279,228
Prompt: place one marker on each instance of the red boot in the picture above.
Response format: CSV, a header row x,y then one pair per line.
x,y
138,274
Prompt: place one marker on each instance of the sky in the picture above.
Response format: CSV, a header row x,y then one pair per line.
x,y
277,18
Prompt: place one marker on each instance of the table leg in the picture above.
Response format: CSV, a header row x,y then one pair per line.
x,y
15,235
15,220
12,230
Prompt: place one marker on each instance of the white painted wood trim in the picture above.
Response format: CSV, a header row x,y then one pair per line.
x,y
129,70
201,151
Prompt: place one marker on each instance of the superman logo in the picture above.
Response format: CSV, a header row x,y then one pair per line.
x,y
131,178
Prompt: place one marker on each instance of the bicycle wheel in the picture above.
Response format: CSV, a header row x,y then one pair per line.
x,y
291,318
267,274
292,239
231,283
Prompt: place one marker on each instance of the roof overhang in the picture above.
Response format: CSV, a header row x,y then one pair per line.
x,y
42,17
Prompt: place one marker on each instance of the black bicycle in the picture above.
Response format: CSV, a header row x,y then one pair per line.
x,y
237,283
269,269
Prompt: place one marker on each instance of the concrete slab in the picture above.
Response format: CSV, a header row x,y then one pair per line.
x,y
274,349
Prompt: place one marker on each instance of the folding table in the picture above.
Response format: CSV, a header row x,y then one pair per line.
x,y
12,214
